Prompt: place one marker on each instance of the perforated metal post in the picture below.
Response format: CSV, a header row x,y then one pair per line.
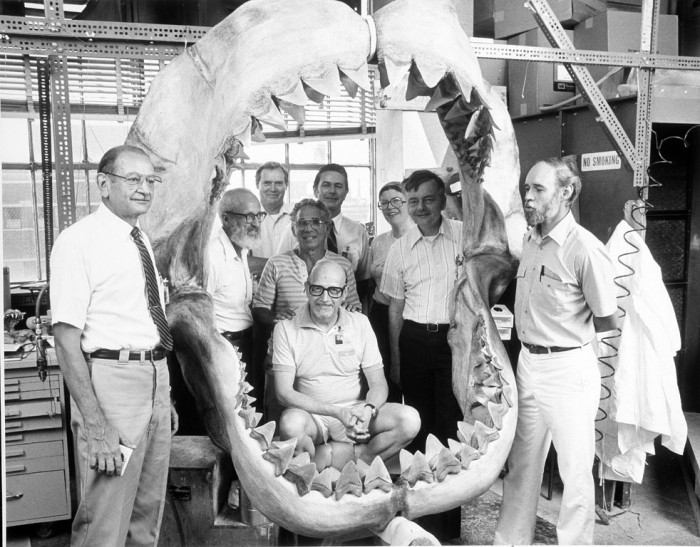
x,y
63,155
556,35
650,18
44,77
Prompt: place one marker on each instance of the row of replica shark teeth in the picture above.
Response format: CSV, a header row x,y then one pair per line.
x,y
291,99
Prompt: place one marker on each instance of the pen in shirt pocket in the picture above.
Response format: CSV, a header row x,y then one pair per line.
x,y
546,272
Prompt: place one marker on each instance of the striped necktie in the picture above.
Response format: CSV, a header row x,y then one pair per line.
x,y
331,241
154,306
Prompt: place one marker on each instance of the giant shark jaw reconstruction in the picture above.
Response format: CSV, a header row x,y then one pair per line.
x,y
203,109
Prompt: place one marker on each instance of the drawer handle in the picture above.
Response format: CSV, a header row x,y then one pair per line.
x,y
15,468
12,497
15,453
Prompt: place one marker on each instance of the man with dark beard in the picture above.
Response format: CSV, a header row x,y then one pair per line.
x,y
228,277
565,295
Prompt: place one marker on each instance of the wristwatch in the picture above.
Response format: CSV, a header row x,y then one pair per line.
x,y
374,410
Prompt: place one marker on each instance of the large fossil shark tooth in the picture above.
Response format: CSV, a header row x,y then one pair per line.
x,y
419,470
301,475
280,454
359,76
497,411
454,446
445,464
272,116
327,84
508,395
393,71
440,97
465,430
362,468
416,87
323,482
296,111
264,434
295,95
468,454
433,447
312,94
250,417
349,481
378,477
431,73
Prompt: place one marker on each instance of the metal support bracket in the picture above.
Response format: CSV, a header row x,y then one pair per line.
x,y
554,32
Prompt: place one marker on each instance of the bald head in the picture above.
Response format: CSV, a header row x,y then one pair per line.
x,y
326,290
239,211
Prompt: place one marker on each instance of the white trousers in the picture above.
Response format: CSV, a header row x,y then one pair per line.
x,y
558,398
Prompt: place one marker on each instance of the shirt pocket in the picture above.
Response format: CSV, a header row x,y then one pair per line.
x,y
559,294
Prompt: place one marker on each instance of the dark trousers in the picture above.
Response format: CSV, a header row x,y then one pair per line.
x,y
426,382
379,319
243,343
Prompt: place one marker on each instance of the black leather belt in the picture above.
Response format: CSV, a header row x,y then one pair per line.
x,y
540,350
237,335
430,327
155,354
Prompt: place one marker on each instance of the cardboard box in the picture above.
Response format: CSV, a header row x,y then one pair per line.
x,y
483,18
621,31
511,17
531,85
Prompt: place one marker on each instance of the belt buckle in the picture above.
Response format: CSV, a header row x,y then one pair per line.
x,y
432,327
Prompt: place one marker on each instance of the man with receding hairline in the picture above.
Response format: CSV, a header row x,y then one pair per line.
x,y
565,298
111,342
228,276
319,357
272,181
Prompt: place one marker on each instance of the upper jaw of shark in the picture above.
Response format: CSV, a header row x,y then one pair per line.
x,y
273,56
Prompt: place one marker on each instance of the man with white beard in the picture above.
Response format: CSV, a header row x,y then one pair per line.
x,y
228,277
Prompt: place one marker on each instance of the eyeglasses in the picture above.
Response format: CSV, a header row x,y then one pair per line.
x,y
333,292
309,222
136,180
396,203
249,217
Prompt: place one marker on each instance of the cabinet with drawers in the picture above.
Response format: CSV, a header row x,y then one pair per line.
x,y
36,445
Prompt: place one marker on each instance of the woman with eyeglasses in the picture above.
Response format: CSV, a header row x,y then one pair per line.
x,y
281,289
392,203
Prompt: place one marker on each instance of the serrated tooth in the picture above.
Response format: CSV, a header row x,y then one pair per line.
x,y
446,464
281,454
247,401
301,476
296,95
458,110
439,98
296,111
272,116
349,481
454,446
362,468
497,412
415,86
244,388
359,76
433,447
468,454
257,133
465,87
323,482
328,84
431,73
250,417
396,71
508,394
490,392
244,137
465,431
378,477
489,433
312,94
302,459
418,471
264,434
405,460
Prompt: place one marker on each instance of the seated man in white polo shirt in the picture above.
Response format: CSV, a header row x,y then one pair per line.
x,y
317,360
